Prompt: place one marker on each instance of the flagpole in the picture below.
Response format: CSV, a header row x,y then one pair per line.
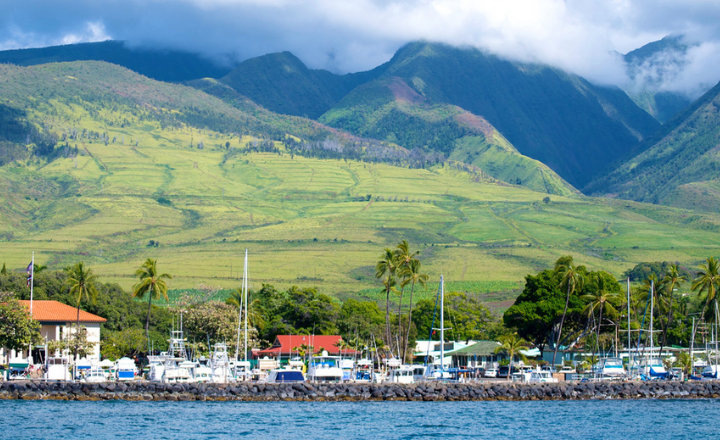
x,y
32,281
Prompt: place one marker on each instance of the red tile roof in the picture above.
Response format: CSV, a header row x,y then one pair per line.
x,y
53,311
286,343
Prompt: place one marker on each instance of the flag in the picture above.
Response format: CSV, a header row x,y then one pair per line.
x,y
29,273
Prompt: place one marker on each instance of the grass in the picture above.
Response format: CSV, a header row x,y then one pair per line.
x,y
305,222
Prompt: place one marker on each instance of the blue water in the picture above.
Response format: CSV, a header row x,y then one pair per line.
x,y
634,420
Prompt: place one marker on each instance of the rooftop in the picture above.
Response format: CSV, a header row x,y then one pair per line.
x,y
53,311
285,344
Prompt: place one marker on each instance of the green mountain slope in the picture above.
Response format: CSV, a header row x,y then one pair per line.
x,y
282,83
390,109
575,128
679,165
163,65
650,65
148,169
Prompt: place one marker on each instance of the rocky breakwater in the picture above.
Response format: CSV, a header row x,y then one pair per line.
x,y
430,391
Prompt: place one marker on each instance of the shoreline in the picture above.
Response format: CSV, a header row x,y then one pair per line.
x,y
254,392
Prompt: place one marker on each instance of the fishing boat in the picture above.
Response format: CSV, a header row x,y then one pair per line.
x,y
364,371
285,375
176,367
220,364
611,368
403,374
540,376
94,375
125,369
325,368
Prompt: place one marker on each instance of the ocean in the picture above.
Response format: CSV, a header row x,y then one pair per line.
x,y
597,419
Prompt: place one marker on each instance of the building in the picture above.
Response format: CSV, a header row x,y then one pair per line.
x,y
478,354
286,347
54,318
430,350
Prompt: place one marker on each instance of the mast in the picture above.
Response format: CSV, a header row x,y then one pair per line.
x,y
628,317
442,324
245,287
32,283
652,307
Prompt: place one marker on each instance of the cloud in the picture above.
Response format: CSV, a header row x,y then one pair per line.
x,y
351,35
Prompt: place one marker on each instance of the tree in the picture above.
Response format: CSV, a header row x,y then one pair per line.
x,y
3,271
572,279
511,345
707,281
82,285
151,284
386,267
255,318
403,259
18,330
411,275
672,280
604,299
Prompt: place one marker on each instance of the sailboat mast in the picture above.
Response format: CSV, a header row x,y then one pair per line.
x,y
652,308
245,287
628,317
442,323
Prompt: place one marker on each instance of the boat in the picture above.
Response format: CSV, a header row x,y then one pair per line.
x,y
285,375
347,365
404,374
540,376
364,371
125,369
439,372
220,364
94,375
612,368
653,367
324,368
57,368
418,372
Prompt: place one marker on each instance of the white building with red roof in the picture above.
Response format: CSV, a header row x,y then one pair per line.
x,y
55,318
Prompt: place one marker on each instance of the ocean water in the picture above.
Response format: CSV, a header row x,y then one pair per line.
x,y
628,419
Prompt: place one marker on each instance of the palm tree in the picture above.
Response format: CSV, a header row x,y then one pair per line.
x,y
82,285
707,281
511,345
151,284
403,259
602,300
411,275
572,279
387,266
670,282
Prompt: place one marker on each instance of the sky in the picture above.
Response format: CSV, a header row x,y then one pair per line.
x,y
581,36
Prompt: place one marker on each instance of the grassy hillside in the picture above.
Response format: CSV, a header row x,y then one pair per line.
x,y
390,109
163,65
679,165
575,128
129,182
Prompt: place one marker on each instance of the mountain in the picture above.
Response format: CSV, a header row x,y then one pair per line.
x,y
162,65
649,67
679,165
559,119
392,110
282,83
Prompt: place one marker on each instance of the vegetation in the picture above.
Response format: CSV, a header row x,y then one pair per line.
x,y
152,284
17,328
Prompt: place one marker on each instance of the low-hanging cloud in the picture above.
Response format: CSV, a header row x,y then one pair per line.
x,y
351,35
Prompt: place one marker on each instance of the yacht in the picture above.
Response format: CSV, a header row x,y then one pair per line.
x,y
611,367
403,374
125,369
285,375
324,368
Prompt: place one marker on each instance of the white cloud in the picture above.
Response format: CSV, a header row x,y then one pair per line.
x,y
350,35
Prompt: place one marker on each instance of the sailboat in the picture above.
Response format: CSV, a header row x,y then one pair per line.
x,y
651,365
241,369
434,371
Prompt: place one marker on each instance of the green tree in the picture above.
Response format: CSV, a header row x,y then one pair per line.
x,y
386,267
403,258
18,330
3,271
151,284
127,342
82,285
511,346
605,298
571,279
411,275
672,280
707,281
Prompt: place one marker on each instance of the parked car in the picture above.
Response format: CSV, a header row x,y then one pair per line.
x,y
490,372
504,371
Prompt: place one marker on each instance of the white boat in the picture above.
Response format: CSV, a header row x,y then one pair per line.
x,y
364,371
285,375
611,367
418,372
220,364
202,373
57,368
540,376
403,374
652,367
324,368
95,375
347,366
125,369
